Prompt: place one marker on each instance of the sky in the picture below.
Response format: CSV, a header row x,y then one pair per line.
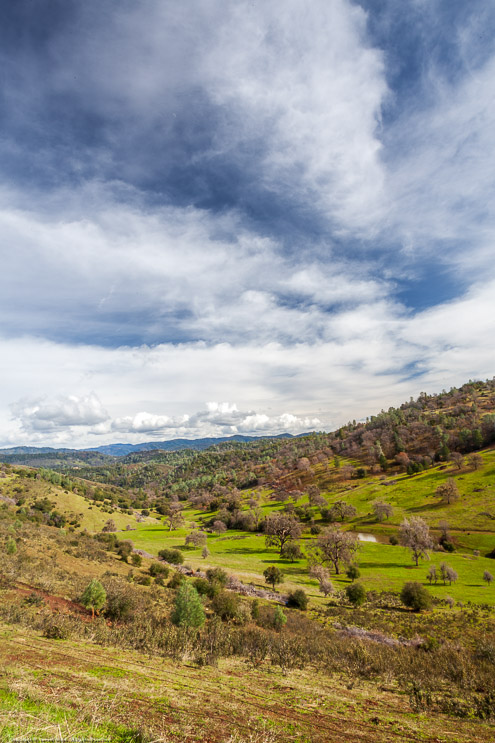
x,y
242,217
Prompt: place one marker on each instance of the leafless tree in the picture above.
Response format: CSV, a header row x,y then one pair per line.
x,y
334,547
448,491
382,510
415,534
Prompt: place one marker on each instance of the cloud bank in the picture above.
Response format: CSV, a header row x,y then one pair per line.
x,y
284,205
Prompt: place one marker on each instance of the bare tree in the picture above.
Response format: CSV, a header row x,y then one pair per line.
x,y
382,510
447,574
431,575
340,511
219,526
475,461
335,547
448,491
415,534
458,459
196,538
323,577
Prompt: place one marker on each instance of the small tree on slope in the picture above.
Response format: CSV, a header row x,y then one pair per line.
x,y
94,596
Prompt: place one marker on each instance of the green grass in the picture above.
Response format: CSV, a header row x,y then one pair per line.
x,y
415,496
383,567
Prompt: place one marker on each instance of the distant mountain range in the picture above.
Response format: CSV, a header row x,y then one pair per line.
x,y
120,450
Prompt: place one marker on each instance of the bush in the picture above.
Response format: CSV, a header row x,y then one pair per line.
x,y
415,596
171,555
217,575
56,628
205,588
356,594
298,599
157,568
136,560
225,605
291,551
353,572
121,602
125,549
176,580
11,546
393,540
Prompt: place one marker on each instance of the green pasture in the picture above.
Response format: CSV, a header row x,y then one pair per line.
x,y
414,495
383,567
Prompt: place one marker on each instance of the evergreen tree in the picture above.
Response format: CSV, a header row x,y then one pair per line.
x,y
188,610
94,596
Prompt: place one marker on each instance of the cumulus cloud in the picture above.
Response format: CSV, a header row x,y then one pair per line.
x,y
43,415
240,231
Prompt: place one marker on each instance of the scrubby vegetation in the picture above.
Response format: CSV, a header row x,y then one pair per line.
x,y
253,554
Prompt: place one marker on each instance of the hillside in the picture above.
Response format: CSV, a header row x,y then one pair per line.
x,y
329,665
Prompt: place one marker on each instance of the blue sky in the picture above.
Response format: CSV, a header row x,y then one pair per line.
x,y
241,217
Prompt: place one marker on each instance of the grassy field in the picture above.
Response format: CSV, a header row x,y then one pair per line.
x,y
383,567
90,514
59,690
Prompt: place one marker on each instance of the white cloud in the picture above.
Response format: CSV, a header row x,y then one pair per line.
x,y
46,416
368,362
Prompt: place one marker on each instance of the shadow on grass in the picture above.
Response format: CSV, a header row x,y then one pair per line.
x,y
387,565
427,507
246,550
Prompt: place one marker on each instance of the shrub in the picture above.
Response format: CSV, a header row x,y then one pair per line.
x,y
125,549
176,580
11,546
415,596
225,605
353,572
298,599
188,610
205,588
136,560
121,602
217,575
393,540
171,555
487,577
157,568
56,628
356,594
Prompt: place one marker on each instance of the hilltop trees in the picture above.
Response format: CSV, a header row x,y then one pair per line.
x,y
281,529
415,535
335,547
